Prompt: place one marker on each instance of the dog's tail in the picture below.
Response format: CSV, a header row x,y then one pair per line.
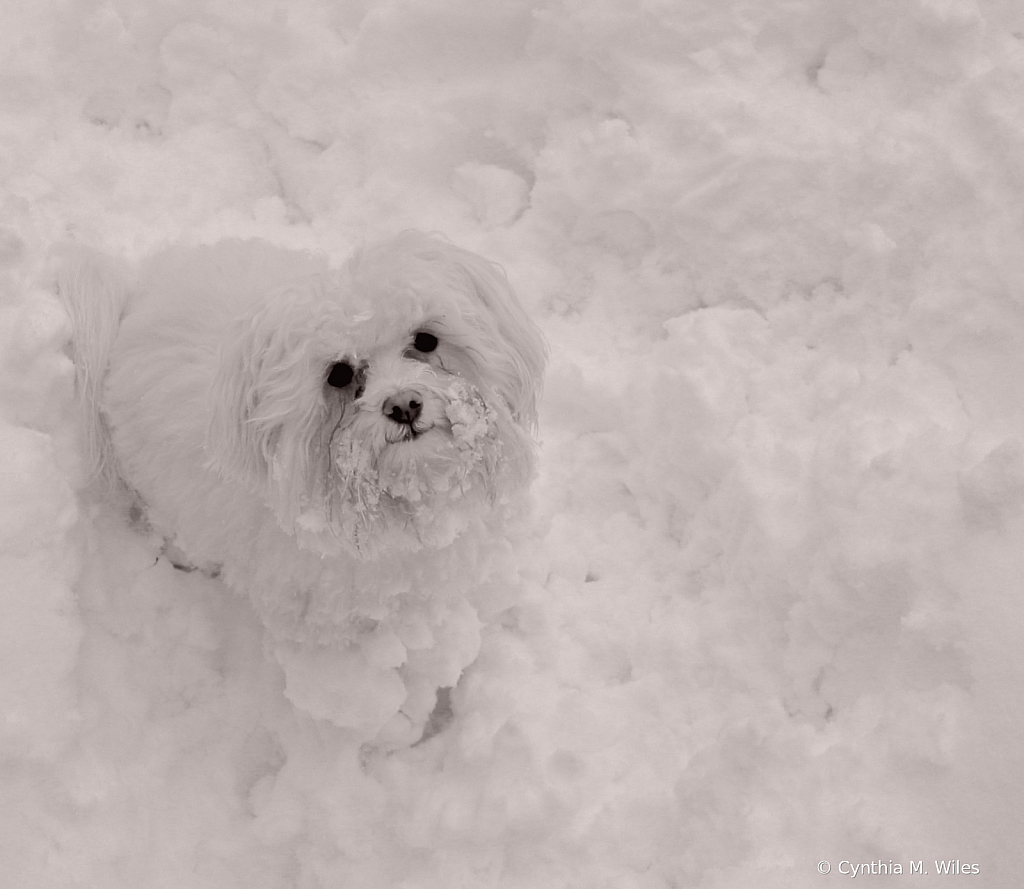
x,y
94,290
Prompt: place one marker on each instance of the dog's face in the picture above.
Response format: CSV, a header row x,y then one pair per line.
x,y
384,405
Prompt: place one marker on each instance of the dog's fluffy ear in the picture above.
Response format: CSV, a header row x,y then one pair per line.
x,y
518,358
267,415
521,364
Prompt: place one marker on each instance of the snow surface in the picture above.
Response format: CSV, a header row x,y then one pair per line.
x,y
771,607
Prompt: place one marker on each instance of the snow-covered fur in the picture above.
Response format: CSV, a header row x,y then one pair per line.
x,y
343,444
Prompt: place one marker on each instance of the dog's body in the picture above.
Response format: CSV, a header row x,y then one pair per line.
x,y
342,444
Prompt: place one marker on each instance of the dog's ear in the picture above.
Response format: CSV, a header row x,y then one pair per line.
x,y
515,350
266,409
520,363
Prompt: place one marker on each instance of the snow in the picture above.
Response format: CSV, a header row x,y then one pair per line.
x,y
768,607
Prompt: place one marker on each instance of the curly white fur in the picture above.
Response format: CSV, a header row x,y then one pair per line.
x,y
360,536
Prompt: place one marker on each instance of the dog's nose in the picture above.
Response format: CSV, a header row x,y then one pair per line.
x,y
403,407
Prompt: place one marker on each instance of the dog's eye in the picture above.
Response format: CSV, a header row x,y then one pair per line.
x,y
340,375
425,342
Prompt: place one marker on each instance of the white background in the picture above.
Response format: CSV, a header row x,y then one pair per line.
x,y
771,604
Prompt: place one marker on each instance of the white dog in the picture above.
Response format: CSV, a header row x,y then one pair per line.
x,y
342,446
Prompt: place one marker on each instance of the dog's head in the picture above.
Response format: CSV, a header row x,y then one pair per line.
x,y
383,405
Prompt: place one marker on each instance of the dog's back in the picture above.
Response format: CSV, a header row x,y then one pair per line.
x,y
116,311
